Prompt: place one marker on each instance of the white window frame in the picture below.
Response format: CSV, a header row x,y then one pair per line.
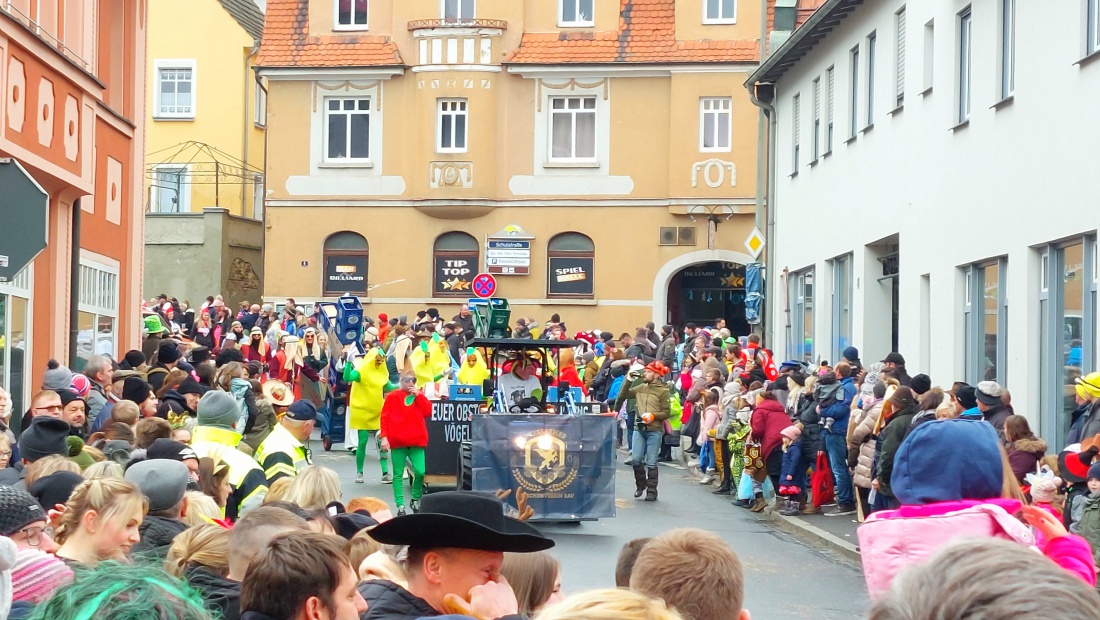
x,y
258,197
842,301
975,316
900,45
98,296
461,108
551,113
706,108
260,111
964,65
801,303
720,19
796,134
576,22
336,25
459,4
929,56
872,44
1092,26
830,107
183,203
170,64
1007,51
815,140
325,129
853,92
21,286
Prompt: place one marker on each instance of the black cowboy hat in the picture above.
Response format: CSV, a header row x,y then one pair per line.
x,y
461,521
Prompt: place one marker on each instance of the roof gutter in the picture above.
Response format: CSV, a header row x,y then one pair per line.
x,y
762,96
822,14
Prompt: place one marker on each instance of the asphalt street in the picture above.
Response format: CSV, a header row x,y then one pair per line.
x,y
785,577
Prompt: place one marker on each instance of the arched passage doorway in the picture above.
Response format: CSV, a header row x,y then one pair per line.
x,y
699,287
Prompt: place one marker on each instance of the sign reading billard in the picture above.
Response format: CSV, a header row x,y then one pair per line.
x,y
346,274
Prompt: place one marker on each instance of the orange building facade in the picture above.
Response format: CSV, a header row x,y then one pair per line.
x,y
73,84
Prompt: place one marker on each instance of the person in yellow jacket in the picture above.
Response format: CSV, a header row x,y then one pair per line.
x,y
370,381
283,453
473,371
215,437
430,363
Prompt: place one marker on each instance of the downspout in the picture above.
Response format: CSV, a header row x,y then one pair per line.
x,y
74,288
246,125
762,94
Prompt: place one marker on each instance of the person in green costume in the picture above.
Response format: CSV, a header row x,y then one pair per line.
x,y
370,381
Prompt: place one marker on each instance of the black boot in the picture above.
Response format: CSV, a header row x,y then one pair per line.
x,y
724,488
639,480
651,484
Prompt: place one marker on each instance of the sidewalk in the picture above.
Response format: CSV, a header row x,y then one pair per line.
x,y
836,534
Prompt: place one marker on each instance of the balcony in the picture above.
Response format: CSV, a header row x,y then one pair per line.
x,y
422,24
445,44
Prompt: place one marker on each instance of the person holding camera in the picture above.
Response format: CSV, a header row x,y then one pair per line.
x,y
652,401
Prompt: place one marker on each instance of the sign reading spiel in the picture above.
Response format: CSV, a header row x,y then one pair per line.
x,y
448,427
571,275
454,273
346,274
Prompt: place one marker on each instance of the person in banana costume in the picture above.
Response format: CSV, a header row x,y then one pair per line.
x,y
370,381
430,363
473,371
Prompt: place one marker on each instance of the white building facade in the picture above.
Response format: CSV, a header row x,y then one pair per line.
x,y
937,192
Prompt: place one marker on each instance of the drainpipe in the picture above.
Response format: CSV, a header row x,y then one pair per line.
x,y
244,141
74,288
762,94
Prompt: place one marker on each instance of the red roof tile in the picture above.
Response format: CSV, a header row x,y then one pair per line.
x,y
646,34
287,43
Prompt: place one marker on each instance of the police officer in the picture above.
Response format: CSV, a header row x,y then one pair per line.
x,y
284,453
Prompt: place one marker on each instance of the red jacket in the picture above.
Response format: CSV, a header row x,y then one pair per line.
x,y
767,422
570,377
403,425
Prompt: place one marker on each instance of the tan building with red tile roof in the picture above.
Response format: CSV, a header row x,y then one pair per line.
x,y
597,156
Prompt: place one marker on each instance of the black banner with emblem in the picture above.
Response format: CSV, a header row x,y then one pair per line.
x,y
454,273
448,427
346,274
571,275
565,464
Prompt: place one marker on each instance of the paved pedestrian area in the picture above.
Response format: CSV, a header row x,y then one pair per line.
x,y
786,575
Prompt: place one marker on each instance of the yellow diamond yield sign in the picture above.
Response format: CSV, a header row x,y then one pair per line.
x,y
755,243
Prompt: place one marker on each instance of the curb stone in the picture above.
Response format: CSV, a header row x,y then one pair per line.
x,y
815,536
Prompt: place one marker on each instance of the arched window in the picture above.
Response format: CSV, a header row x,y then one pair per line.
x,y
456,259
570,260
345,258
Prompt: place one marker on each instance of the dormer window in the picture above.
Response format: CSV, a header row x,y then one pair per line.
x,y
575,13
458,10
351,15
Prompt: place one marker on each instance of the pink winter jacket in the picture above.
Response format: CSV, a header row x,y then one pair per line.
x,y
892,540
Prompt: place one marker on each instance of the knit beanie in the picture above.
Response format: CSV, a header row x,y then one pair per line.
x,y
920,384
18,509
45,436
54,489
168,352
81,385
792,432
1044,488
56,377
1094,472
163,448
134,358
37,575
218,408
68,396
136,390
77,453
8,553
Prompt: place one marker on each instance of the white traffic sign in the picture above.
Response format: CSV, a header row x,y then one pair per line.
x,y
755,243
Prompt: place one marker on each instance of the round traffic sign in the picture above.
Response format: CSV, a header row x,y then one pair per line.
x,y
485,285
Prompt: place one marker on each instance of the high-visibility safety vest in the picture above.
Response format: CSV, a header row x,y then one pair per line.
x,y
281,455
245,475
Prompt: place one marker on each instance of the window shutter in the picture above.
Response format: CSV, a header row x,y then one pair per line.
x,y
901,55
829,106
817,99
797,117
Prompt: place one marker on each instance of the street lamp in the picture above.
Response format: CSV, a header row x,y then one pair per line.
x,y
713,213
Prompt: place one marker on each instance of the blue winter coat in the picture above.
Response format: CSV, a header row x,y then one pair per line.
x,y
792,466
841,410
